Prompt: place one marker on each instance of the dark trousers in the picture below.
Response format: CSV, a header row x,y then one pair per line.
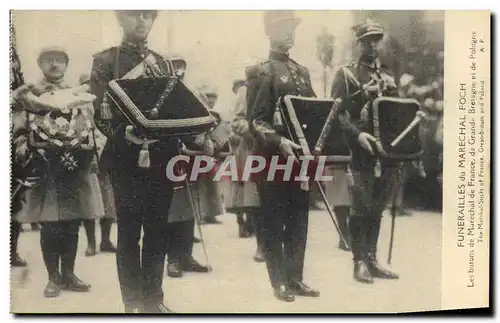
x,y
15,229
370,196
105,224
15,226
284,223
59,243
255,215
142,200
181,235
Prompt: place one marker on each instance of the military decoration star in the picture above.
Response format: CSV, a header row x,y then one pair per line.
x,y
61,122
68,161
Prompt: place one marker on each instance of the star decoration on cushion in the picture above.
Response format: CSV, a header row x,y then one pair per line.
x,y
61,122
68,161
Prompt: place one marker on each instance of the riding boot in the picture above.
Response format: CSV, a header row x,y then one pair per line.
x,y
259,252
15,259
68,257
106,244
372,234
89,226
356,229
242,232
250,224
51,243
342,213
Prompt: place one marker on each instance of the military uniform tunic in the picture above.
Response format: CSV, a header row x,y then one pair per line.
x,y
285,206
61,196
369,192
142,196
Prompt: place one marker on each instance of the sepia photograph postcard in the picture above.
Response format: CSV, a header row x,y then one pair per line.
x,y
249,161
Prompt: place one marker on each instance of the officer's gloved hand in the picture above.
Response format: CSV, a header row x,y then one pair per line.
x,y
365,140
21,149
20,91
287,148
209,147
371,89
133,138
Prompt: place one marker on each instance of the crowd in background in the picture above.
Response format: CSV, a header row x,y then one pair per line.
x,y
423,80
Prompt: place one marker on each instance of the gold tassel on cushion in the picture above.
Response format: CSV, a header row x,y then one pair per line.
x,y
105,111
144,160
350,176
277,120
378,169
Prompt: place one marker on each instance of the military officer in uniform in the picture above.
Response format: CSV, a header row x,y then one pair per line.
x,y
285,205
358,84
142,195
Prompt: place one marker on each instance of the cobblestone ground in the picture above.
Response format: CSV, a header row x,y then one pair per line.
x,y
240,285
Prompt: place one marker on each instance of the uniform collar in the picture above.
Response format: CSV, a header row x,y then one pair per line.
x,y
140,47
279,56
60,83
375,65
46,85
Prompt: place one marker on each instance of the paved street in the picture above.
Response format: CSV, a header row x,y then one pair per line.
x,y
239,285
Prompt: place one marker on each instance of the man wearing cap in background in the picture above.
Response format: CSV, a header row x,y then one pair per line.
x,y
285,206
208,191
355,84
140,272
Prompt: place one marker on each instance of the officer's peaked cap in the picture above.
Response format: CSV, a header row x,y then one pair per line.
x,y
272,17
122,12
50,50
369,28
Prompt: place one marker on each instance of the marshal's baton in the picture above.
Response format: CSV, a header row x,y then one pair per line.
x,y
418,118
318,149
306,151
